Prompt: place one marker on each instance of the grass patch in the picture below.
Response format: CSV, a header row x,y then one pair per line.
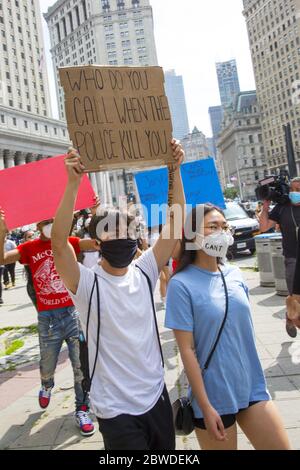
x,y
4,330
31,329
14,346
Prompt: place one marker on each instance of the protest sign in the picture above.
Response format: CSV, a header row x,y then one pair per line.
x,y
31,193
200,182
118,117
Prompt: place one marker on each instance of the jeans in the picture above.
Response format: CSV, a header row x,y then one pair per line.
x,y
54,327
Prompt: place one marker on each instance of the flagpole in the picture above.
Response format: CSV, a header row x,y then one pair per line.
x,y
239,179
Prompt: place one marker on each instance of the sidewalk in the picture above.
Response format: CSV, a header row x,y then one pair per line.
x,y
23,425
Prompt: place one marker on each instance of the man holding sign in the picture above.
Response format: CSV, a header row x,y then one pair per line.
x,y
116,306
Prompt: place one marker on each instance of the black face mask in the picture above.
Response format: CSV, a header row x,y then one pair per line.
x,y
119,253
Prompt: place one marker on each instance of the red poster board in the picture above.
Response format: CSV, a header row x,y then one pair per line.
x,y
31,193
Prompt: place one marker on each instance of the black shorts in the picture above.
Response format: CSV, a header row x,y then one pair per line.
x,y
153,430
228,420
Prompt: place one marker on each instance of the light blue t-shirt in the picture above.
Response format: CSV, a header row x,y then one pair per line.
x,y
196,303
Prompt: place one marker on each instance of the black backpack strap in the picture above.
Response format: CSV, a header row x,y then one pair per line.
x,y
98,328
154,312
87,381
223,323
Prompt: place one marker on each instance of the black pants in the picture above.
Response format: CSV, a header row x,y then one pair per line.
x,y
153,430
9,268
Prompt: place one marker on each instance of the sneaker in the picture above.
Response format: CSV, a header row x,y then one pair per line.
x,y
13,284
44,397
84,422
290,328
6,286
1,302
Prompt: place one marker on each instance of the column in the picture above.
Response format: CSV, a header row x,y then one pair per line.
x,y
20,158
117,186
9,158
106,188
94,182
100,188
1,159
29,157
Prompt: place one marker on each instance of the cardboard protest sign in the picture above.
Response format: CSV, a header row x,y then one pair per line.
x,y
31,193
200,181
118,117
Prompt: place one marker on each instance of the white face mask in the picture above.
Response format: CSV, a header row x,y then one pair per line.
x,y
47,230
216,244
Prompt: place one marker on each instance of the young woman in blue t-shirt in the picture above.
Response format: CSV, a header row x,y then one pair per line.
x,y
233,387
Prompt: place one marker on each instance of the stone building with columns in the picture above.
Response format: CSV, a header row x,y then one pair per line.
x,y
240,145
27,137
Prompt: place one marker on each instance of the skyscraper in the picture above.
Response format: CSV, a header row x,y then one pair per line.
x,y
104,32
27,131
228,81
23,74
274,36
216,116
176,97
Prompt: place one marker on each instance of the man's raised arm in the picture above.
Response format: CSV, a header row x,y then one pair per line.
x,y
64,255
172,231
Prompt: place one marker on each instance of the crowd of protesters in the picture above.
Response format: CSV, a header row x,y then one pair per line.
x,y
93,289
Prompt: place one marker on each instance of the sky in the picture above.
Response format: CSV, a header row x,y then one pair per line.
x,y
191,36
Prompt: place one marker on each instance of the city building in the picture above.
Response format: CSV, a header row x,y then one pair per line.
x,y
210,146
274,36
23,74
27,131
195,146
176,98
27,137
216,116
104,32
240,146
228,81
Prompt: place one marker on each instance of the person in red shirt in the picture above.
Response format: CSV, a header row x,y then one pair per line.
x,y
58,320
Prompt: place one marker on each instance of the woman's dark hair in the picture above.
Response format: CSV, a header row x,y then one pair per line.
x,y
188,257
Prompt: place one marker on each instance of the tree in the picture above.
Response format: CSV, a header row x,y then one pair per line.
x,y
231,193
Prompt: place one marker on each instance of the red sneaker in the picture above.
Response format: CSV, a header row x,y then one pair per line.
x,y
44,397
84,422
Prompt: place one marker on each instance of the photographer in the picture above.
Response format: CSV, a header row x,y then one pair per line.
x,y
288,217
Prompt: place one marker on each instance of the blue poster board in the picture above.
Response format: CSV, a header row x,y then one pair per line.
x,y
200,181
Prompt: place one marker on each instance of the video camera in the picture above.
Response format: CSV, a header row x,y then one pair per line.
x,y
274,188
